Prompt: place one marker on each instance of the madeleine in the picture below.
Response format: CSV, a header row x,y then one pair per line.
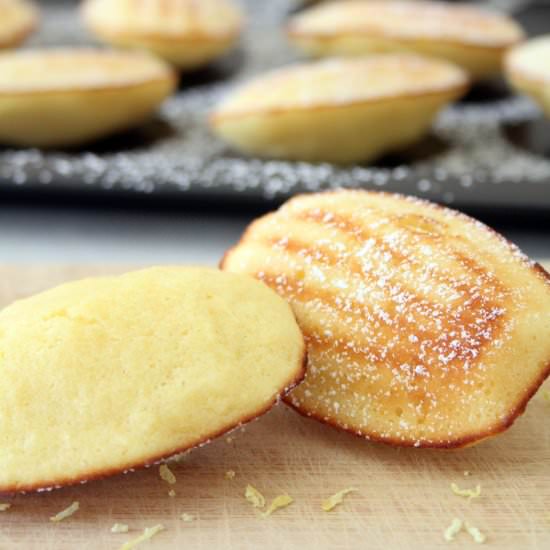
x,y
424,327
186,33
103,375
19,18
474,39
528,70
68,97
338,110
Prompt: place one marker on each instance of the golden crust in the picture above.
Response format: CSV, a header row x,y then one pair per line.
x,y
325,111
19,18
417,318
465,35
187,33
104,314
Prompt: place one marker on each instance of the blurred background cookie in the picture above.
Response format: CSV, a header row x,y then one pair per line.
x,y
528,70
67,97
471,37
187,33
424,327
107,374
338,110
18,18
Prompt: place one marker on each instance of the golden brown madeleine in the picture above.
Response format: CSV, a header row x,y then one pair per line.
x,y
186,33
472,38
424,327
18,18
528,70
107,374
338,110
67,97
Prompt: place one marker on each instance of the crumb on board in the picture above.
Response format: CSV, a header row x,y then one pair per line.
x,y
467,473
282,501
469,493
171,493
69,511
452,531
475,533
4,506
148,533
187,517
331,502
119,528
254,497
166,474
230,474
229,439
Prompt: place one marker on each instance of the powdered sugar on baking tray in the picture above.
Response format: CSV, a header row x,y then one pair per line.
x,y
178,153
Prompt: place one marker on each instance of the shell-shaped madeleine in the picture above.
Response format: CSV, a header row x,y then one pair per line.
x,y
67,97
18,19
186,33
471,37
528,70
423,326
338,110
103,375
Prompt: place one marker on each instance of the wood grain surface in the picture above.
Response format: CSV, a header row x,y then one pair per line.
x,y
403,497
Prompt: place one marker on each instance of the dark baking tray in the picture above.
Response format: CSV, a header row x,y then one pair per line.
x,y
490,151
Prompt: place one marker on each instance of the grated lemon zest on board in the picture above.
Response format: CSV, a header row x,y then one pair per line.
x,y
171,493
119,528
67,512
452,531
254,497
148,533
187,517
4,506
331,502
166,474
467,473
475,533
282,501
470,493
230,474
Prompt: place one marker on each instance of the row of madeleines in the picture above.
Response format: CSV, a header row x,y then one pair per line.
x,y
385,316
392,66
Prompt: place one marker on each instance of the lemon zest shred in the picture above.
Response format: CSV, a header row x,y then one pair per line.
x,y
469,493
171,493
148,533
331,502
230,474
187,517
282,501
166,474
254,497
475,533
69,511
452,531
119,528
4,506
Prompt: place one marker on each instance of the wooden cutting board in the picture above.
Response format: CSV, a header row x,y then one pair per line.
x,y
403,497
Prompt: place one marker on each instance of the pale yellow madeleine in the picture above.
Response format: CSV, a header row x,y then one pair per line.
x,y
528,70
67,97
472,38
338,110
186,33
102,375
